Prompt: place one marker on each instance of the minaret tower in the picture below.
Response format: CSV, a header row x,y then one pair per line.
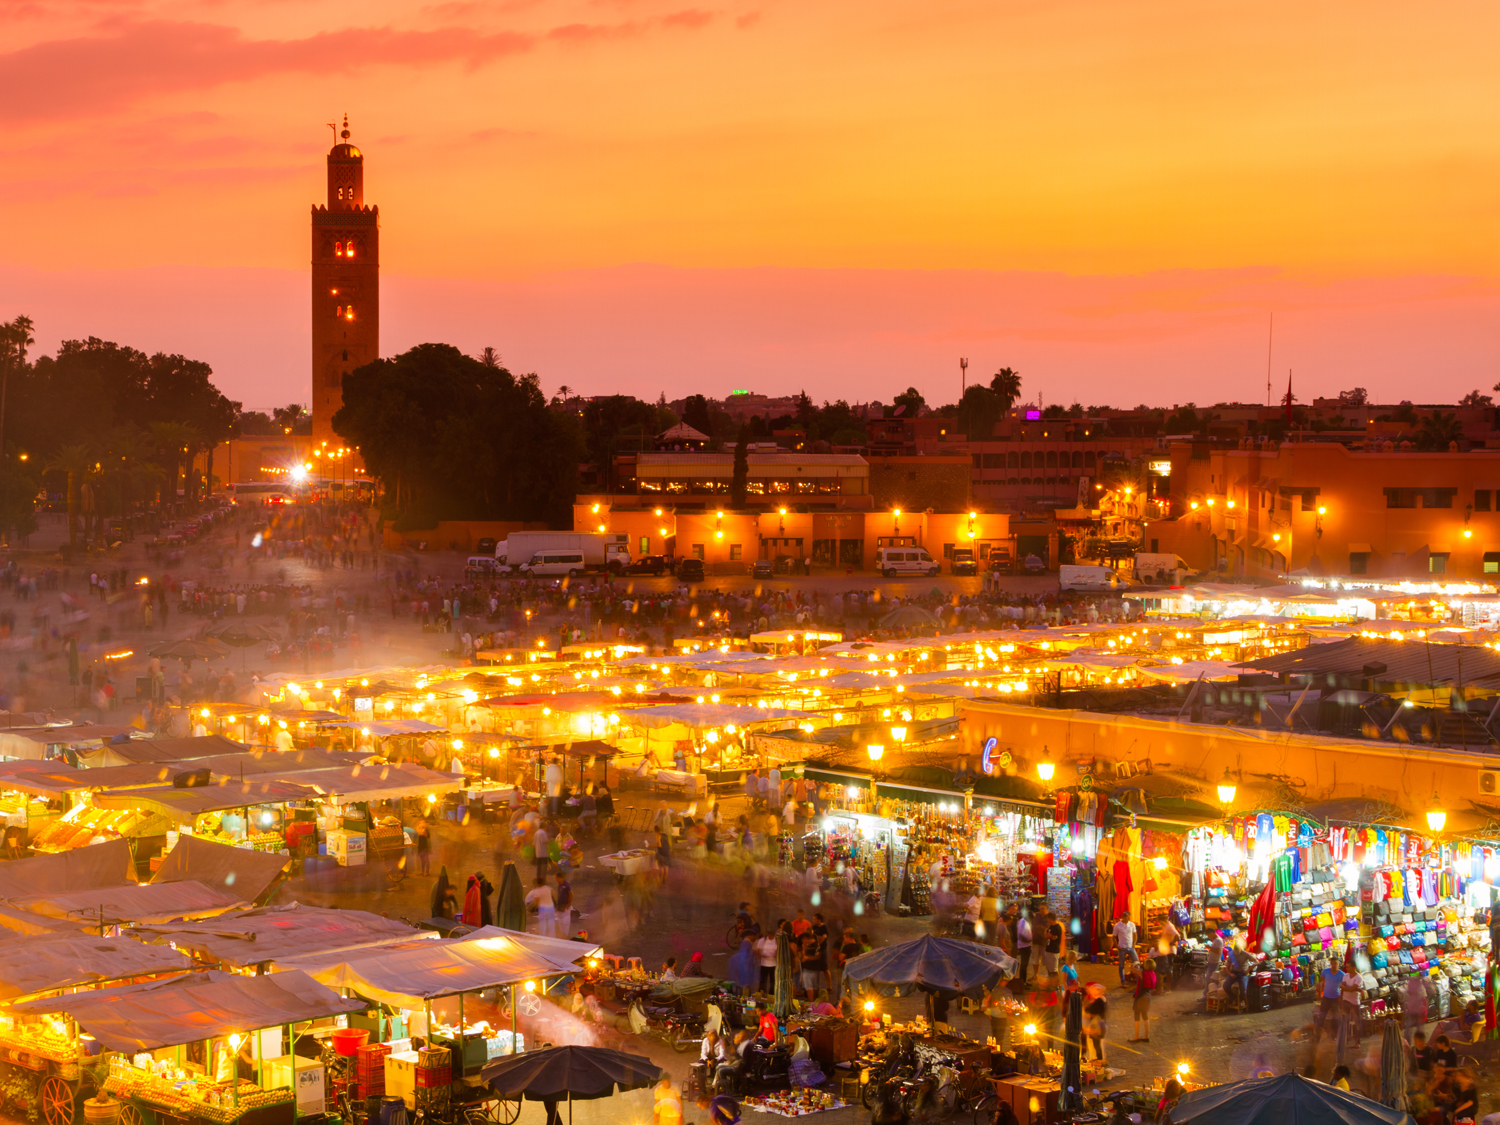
x,y
345,284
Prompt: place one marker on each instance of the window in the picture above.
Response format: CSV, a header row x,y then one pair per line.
x,y
346,355
735,552
1438,497
645,545
994,460
1400,497
650,485
947,550
1482,499
697,550
338,248
1437,563
349,246
1012,460
1492,562
1359,562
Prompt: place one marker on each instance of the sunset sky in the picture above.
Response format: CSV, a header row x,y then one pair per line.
x,y
699,195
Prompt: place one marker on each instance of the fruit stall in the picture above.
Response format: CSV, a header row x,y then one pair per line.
x,y
126,1042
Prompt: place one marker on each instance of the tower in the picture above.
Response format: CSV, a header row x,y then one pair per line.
x,y
345,284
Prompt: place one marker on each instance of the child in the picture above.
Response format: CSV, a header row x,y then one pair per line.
x,y
1143,990
1341,1077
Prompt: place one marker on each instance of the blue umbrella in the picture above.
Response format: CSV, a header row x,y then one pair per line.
x,y
1275,1101
946,966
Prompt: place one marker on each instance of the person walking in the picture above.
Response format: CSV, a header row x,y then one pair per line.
x,y
1023,942
563,903
540,897
424,847
1053,943
1095,1013
1141,1009
1124,935
765,951
540,841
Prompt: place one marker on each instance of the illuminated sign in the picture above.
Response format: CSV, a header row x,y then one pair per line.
x,y
1033,415
984,762
1161,468
739,392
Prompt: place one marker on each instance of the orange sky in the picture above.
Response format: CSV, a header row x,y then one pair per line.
x,y
535,147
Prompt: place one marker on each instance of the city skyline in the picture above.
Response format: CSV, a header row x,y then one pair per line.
x,y
847,197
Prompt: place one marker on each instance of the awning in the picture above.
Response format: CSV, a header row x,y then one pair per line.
x,y
409,973
183,805
197,1006
109,864
1360,549
161,750
150,902
33,742
706,715
241,872
271,933
380,782
67,960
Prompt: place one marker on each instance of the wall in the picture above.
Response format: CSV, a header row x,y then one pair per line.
x,y
918,483
458,535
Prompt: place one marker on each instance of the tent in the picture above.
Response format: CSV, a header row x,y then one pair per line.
x,y
380,782
185,1009
183,806
109,864
1286,1097
69,960
946,966
32,742
247,938
241,872
151,902
568,1072
406,974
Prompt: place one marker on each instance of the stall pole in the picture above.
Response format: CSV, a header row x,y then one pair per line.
x,y
460,1033
291,1048
513,1018
260,1070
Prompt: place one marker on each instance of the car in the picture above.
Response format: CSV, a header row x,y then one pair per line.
x,y
690,570
964,561
1034,564
485,546
763,569
648,564
1001,561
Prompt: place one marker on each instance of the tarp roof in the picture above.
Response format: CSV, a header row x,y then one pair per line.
x,y
241,872
386,727
1412,661
109,864
707,715
406,974
48,778
271,933
380,782
185,1009
163,750
133,902
182,805
32,742
67,960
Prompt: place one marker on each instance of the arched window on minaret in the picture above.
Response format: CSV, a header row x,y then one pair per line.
x,y
338,249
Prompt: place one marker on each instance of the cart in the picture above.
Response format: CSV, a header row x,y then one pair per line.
x,y
41,1085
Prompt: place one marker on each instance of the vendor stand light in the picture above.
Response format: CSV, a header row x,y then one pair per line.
x,y
1436,817
1226,789
1046,767
875,750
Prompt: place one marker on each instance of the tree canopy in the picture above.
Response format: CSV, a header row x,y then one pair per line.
x,y
452,437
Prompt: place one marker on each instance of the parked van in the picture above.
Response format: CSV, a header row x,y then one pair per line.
x,y
554,564
894,561
485,566
1088,578
1167,568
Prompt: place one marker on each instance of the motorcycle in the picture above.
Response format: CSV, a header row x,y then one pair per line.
x,y
682,1031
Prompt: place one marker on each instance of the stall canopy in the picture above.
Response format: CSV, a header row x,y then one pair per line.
x,y
406,974
160,750
183,805
379,782
707,715
387,727
942,965
69,960
152,902
186,1009
1285,1098
273,933
32,743
109,864
239,872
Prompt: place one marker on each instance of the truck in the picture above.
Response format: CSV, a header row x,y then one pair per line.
x,y
1088,578
559,554
1161,568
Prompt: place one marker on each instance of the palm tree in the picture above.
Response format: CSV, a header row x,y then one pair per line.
x,y
173,442
77,462
128,463
1007,384
1438,430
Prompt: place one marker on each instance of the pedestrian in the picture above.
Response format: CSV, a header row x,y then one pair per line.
x,y
1215,956
765,952
1124,935
1095,1012
563,903
1144,987
541,898
972,909
1054,942
540,841
1328,1003
1023,942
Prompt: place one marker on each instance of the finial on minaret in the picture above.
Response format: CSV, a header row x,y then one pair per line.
x,y
345,133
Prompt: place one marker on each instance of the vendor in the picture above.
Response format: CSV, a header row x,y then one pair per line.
x,y
768,1031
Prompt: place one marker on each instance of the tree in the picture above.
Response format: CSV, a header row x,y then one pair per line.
x,y
1056,410
1357,397
256,423
805,411
1438,430
491,358
741,478
174,444
1475,398
911,400
977,412
75,462
292,418
1006,384
695,414
15,338
452,438
17,502
609,422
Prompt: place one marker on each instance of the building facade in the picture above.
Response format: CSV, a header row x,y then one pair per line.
x,y
345,285
1267,510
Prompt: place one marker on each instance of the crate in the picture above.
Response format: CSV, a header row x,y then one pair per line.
x,y
432,1077
369,1067
432,1098
434,1057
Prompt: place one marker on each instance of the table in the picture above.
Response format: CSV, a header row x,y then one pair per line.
x,y
1033,1099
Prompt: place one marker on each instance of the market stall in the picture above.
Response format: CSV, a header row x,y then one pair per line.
x,y
172,1049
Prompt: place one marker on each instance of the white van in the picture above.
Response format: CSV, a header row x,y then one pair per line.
x,y
1088,578
554,564
893,561
1167,568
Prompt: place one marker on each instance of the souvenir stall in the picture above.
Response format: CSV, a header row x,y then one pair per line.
x,y
242,814
1407,910
236,1069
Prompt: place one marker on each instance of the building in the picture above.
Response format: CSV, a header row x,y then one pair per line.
x,y
345,285
1268,509
797,506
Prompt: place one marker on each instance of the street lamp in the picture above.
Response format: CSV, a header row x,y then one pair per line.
x,y
1226,789
1046,767
1436,817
